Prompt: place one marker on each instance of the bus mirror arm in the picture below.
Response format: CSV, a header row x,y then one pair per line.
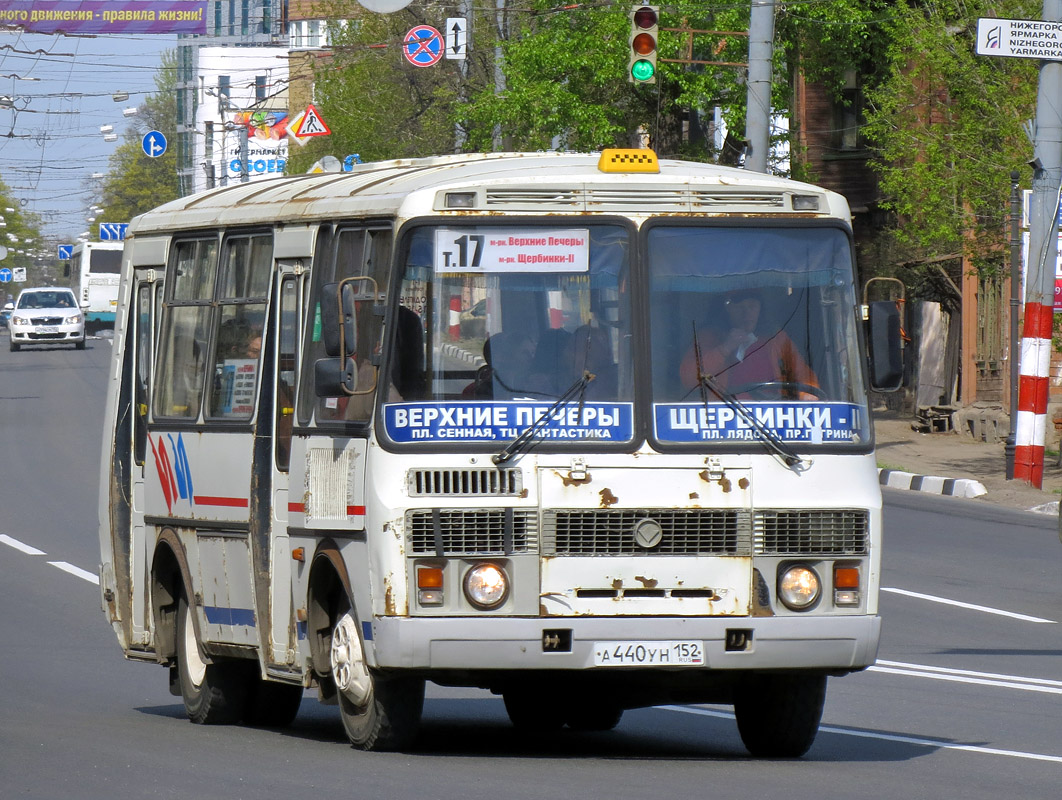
x,y
334,378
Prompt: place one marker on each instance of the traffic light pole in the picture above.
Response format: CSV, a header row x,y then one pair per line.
x,y
758,107
1040,280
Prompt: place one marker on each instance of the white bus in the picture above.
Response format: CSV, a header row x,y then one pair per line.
x,y
476,420
97,266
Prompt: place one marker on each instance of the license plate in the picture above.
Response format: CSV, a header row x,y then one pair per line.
x,y
47,329
649,654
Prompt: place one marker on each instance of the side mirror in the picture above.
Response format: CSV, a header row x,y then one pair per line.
x,y
339,319
334,378
885,340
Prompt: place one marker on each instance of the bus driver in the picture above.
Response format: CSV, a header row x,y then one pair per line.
x,y
748,353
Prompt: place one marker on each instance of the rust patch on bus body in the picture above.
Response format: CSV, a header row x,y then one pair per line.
x,y
607,498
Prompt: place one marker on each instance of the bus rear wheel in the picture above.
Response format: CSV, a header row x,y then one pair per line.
x,y
378,712
214,694
778,715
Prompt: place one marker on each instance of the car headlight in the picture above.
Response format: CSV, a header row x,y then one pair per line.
x,y
799,587
20,320
74,320
486,586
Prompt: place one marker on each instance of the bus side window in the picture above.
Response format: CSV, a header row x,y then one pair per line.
x,y
287,350
144,337
186,321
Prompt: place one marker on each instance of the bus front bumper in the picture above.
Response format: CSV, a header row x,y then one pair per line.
x,y
831,643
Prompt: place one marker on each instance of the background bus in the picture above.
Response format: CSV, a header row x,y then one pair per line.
x,y
97,266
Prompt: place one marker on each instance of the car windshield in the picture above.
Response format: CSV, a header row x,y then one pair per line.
x,y
764,317
46,300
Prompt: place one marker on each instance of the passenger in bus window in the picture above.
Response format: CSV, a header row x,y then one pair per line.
x,y
749,355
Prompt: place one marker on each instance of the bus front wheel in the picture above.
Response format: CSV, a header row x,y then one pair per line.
x,y
778,715
214,694
378,712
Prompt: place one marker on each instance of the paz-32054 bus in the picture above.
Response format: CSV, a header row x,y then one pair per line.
x,y
587,431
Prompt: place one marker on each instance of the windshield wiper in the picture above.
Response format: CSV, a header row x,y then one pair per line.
x,y
527,436
771,440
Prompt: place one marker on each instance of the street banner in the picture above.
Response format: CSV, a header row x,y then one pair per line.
x,y
105,16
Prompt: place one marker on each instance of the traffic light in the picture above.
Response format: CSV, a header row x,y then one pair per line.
x,y
644,22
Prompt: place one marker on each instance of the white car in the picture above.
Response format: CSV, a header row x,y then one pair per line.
x,y
47,315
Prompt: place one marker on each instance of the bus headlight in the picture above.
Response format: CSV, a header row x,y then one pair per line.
x,y
486,586
799,587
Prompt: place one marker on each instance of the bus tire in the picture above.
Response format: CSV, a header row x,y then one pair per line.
x,y
378,712
271,704
778,715
214,694
533,712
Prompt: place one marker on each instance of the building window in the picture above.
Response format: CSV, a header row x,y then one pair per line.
x,y
217,18
850,114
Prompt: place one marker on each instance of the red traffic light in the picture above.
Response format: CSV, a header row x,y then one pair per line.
x,y
645,17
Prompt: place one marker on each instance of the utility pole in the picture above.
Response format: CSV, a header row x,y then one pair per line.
x,y
1040,283
758,106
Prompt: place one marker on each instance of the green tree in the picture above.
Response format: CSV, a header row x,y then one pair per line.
x,y
377,104
135,183
20,236
946,124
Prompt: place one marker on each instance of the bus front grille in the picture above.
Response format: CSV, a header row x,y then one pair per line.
x,y
480,532
489,482
646,532
834,532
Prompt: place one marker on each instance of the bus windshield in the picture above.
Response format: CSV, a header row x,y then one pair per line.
x,y
761,316
510,318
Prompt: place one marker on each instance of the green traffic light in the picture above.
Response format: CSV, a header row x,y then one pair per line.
x,y
642,70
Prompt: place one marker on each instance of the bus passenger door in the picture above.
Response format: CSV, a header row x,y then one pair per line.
x,y
140,341
284,351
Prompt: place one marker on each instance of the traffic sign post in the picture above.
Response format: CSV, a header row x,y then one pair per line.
x,y
1019,38
66,252
113,231
153,144
5,275
456,38
423,46
18,274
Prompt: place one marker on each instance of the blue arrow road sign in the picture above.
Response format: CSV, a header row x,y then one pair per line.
x,y
66,252
112,231
153,144
5,275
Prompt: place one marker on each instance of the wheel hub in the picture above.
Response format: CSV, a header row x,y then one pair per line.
x,y
348,661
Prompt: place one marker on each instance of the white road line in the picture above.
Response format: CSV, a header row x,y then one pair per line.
x,y
971,673
934,599
25,548
890,737
76,571
1025,687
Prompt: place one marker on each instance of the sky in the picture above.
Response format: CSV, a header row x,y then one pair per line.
x,y
50,143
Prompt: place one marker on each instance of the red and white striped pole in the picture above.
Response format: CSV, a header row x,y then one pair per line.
x,y
455,317
1031,428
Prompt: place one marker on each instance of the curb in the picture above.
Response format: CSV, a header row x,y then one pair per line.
x,y
954,487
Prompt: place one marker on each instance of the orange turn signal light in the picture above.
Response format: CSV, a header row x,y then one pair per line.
x,y
429,577
846,577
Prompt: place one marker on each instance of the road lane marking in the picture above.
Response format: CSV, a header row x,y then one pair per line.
x,y
934,599
25,548
890,737
987,677
937,676
76,571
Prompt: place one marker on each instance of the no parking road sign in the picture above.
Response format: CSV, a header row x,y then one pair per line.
x,y
423,46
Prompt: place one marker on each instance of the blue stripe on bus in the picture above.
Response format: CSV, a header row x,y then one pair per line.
x,y
300,630
366,631
99,316
216,615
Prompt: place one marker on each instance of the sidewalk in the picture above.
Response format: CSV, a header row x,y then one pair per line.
x,y
960,465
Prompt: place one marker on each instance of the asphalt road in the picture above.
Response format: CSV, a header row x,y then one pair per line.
x,y
964,702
